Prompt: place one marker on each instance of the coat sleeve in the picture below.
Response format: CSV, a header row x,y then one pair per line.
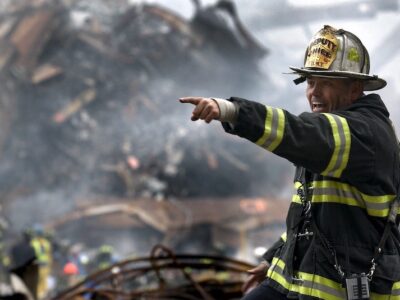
x,y
270,253
330,144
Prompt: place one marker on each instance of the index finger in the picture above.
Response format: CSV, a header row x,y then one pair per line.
x,y
192,100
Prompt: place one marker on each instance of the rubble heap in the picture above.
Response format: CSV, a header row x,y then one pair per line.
x,y
90,101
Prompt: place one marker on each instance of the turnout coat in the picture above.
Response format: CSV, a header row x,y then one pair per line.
x,y
348,162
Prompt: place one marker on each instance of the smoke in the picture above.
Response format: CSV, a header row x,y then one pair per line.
x,y
46,166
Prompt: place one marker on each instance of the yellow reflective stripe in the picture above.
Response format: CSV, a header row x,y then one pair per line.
x,y
296,197
319,279
280,130
267,128
273,130
278,262
318,286
379,297
337,192
378,199
278,278
328,191
336,138
394,296
278,265
396,290
378,213
375,296
349,188
314,292
284,236
42,250
312,285
396,285
342,141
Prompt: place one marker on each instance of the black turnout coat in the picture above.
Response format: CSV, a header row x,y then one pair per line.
x,y
348,166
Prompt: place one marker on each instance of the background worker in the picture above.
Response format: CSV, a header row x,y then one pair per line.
x,y
342,239
43,250
23,270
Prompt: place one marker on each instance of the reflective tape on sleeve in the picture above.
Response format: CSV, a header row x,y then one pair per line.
x,y
342,141
273,129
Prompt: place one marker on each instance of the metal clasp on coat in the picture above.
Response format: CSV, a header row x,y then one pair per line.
x,y
307,234
297,280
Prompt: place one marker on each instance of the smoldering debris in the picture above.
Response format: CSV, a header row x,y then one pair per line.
x,y
90,101
164,275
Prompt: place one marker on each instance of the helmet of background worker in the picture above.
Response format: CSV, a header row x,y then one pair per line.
x,y
106,249
22,254
27,233
38,229
337,53
70,269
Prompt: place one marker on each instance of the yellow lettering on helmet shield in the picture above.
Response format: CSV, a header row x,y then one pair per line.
x,y
322,50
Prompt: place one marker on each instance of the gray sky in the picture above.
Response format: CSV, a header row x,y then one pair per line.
x,y
287,43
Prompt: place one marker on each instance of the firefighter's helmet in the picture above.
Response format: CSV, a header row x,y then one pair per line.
x,y
340,54
70,269
106,249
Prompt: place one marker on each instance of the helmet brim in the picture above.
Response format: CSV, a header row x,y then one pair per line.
x,y
371,82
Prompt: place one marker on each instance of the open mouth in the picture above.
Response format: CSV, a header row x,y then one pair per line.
x,y
318,107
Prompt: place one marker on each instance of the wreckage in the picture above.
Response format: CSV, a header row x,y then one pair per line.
x,y
88,111
164,275
85,102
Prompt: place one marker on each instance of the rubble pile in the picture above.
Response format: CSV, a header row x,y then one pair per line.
x,y
89,111
164,275
89,106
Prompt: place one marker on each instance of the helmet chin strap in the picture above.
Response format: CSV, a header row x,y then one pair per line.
x,y
299,80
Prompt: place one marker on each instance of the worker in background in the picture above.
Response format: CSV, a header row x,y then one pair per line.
x,y
104,258
59,256
342,238
43,250
71,274
76,267
4,257
24,271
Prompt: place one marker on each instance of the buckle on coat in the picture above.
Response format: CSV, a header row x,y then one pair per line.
x,y
306,234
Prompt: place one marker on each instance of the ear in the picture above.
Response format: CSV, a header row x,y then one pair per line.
x,y
356,89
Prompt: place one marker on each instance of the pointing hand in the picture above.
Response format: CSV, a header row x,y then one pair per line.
x,y
206,109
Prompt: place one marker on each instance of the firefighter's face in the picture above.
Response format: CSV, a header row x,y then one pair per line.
x,y
329,94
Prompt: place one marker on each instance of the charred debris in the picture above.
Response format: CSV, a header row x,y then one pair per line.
x,y
92,137
164,275
89,111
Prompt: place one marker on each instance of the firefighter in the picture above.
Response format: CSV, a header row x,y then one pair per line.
x,y
71,273
4,257
23,265
43,250
104,258
342,239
